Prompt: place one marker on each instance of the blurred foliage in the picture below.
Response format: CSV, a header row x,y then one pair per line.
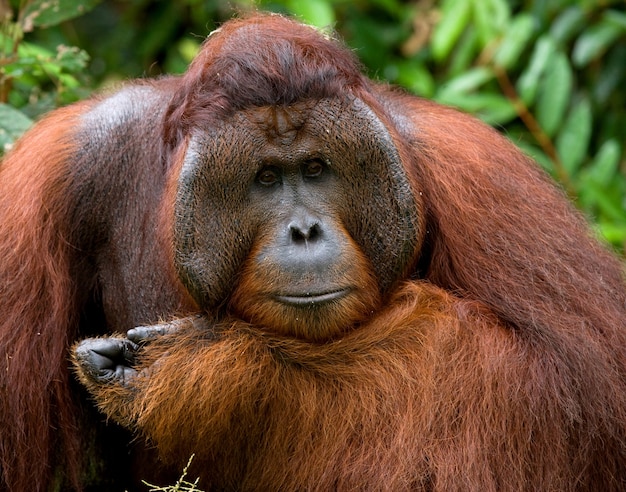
x,y
36,77
549,74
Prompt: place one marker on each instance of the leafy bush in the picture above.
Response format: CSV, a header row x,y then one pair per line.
x,y
33,78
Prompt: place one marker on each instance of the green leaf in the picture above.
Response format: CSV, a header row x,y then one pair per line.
x,y
468,81
515,41
12,124
607,207
605,165
594,42
613,233
188,48
529,81
318,13
616,18
46,13
491,18
27,50
68,81
497,112
416,78
572,142
554,94
394,7
465,52
607,83
455,17
567,24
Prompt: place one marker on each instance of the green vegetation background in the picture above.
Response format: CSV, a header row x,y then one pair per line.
x,y
549,74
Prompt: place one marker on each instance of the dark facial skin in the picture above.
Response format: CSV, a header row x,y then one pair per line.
x,y
306,247
305,275
281,201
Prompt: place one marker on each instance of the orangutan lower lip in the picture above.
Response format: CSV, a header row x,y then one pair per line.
x,y
311,298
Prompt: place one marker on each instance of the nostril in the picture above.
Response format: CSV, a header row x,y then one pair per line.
x,y
297,235
307,233
314,232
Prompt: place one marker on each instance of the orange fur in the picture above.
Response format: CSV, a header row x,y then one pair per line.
x,y
432,394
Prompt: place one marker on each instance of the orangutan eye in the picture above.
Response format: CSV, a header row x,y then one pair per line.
x,y
313,169
269,176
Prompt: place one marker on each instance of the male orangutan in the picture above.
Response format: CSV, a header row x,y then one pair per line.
x,y
316,283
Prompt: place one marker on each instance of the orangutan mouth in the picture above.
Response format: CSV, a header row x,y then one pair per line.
x,y
311,298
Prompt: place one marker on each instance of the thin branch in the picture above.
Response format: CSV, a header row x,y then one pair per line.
x,y
535,129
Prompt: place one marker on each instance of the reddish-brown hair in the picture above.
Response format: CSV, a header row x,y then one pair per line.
x,y
228,76
39,306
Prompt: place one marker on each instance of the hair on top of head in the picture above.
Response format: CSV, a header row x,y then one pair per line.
x,y
289,62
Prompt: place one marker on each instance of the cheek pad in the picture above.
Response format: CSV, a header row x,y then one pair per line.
x,y
212,235
378,206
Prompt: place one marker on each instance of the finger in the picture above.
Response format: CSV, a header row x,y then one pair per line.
x,y
141,334
114,348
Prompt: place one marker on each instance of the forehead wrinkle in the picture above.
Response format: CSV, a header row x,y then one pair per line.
x,y
281,125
